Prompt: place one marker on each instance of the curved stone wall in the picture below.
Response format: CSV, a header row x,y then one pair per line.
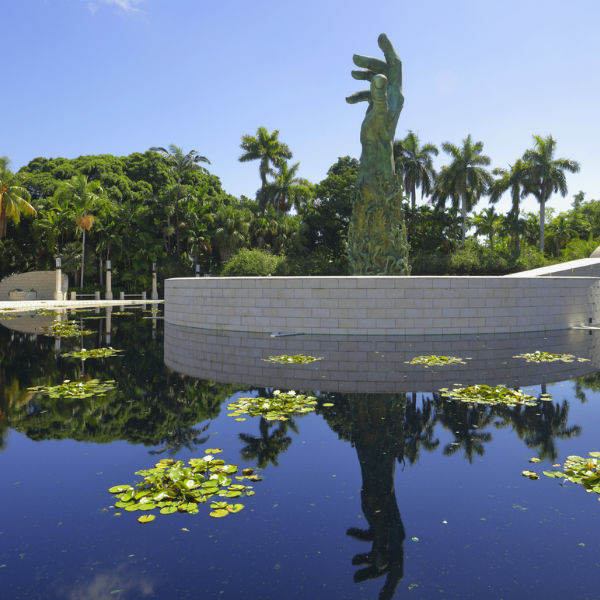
x,y
362,305
43,282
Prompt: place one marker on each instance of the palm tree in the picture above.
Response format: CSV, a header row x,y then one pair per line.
x,y
231,226
267,148
514,180
546,175
180,163
464,178
286,191
413,164
562,231
14,198
487,222
85,196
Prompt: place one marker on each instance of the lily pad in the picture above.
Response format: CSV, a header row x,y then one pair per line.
x,y
220,512
580,470
76,389
295,359
485,394
277,408
530,474
146,518
172,486
539,356
84,354
65,329
435,360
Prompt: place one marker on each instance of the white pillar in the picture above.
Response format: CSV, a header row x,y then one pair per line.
x,y
154,288
108,295
58,295
108,324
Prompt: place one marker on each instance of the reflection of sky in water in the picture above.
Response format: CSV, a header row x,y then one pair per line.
x,y
483,530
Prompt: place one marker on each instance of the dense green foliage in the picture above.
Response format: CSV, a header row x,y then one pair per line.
x,y
251,263
163,206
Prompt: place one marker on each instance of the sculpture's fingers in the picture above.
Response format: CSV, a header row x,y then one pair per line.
x,y
359,97
368,62
393,61
365,75
379,86
390,54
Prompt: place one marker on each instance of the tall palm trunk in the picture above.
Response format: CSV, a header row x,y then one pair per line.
x,y
463,208
82,258
542,222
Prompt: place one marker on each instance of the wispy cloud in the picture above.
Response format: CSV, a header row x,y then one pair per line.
x,y
125,6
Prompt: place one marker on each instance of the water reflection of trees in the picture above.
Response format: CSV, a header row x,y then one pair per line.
x,y
539,426
152,405
272,441
388,428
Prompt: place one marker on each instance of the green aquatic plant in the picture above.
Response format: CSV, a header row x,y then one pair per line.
x,y
539,356
580,470
486,394
297,359
65,329
277,408
76,389
171,486
44,312
436,360
93,353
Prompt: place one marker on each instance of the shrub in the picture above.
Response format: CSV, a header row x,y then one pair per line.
x,y
251,263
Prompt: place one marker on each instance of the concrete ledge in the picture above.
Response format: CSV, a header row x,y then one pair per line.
x,y
43,282
383,305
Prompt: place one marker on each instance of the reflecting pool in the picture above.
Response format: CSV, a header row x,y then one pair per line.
x,y
387,490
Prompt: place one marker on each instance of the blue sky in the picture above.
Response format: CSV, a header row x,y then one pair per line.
x,y
119,76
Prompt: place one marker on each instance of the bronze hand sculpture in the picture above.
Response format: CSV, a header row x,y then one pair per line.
x,y
377,236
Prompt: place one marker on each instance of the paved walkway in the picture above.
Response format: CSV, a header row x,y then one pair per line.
x,y
27,305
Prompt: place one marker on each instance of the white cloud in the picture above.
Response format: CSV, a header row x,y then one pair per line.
x,y
126,6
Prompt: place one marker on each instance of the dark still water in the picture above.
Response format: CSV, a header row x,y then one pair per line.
x,y
392,492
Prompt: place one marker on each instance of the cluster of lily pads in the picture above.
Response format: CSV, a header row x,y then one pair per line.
x,y
93,353
436,360
277,408
172,486
65,329
580,470
539,356
297,359
486,394
76,389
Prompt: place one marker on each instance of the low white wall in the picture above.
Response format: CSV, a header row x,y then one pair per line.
x,y
43,282
383,305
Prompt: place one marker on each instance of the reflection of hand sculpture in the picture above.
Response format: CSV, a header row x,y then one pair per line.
x,y
376,235
385,103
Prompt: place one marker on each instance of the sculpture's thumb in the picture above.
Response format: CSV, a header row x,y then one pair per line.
x,y
379,85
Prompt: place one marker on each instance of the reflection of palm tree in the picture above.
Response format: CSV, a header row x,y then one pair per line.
x,y
466,421
267,447
181,437
419,426
539,426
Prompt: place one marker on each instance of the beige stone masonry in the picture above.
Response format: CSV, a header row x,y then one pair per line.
x,y
383,305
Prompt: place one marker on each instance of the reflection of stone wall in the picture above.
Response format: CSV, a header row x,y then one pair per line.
x,y
43,282
382,305
375,364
